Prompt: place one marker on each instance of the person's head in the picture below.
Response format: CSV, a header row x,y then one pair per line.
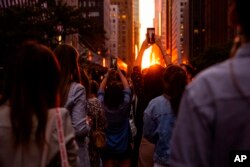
x,y
67,56
113,96
94,86
175,81
239,16
113,76
189,70
31,89
153,83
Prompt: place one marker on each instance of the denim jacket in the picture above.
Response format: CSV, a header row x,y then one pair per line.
x,y
158,124
214,117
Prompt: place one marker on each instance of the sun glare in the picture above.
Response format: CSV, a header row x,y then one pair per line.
x,y
147,14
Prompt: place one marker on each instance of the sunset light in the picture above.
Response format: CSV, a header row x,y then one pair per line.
x,y
147,14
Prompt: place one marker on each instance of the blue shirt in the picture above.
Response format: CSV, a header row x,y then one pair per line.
x,y
214,118
118,129
158,124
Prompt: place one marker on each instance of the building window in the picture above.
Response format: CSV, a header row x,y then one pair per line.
x,y
93,14
196,31
113,9
124,16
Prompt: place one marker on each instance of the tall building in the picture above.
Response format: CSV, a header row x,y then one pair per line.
x,y
72,38
136,29
160,21
196,28
114,19
178,7
207,26
8,3
216,30
186,40
98,12
169,27
125,26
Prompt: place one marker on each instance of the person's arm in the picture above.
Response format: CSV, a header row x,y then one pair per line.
x,y
100,93
144,46
166,57
78,111
104,81
123,79
150,124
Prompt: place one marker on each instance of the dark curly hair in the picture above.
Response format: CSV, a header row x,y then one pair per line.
x,y
113,95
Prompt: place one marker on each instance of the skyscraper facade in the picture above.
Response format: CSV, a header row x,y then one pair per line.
x,y
125,29
217,31
99,13
136,29
161,21
114,19
178,7
207,26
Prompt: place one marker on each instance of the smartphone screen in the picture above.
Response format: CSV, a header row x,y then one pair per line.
x,y
151,35
113,63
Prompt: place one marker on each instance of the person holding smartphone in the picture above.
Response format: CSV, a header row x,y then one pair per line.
x,y
113,63
115,96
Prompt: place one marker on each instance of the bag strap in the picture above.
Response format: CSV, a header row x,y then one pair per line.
x,y
47,137
61,140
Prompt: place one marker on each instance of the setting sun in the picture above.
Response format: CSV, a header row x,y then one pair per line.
x,y
146,20
147,16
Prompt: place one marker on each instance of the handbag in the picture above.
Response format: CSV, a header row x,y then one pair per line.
x,y
99,136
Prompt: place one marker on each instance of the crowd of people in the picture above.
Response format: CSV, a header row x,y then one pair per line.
x,y
53,113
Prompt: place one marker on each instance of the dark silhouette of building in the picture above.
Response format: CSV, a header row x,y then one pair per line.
x,y
125,28
206,25
97,11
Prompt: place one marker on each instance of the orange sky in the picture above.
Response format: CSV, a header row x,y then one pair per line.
x,y
147,13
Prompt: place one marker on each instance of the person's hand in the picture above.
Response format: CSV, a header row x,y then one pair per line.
x,y
158,42
145,44
89,121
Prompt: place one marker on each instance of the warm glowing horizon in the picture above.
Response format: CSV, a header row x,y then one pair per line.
x,y
147,14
